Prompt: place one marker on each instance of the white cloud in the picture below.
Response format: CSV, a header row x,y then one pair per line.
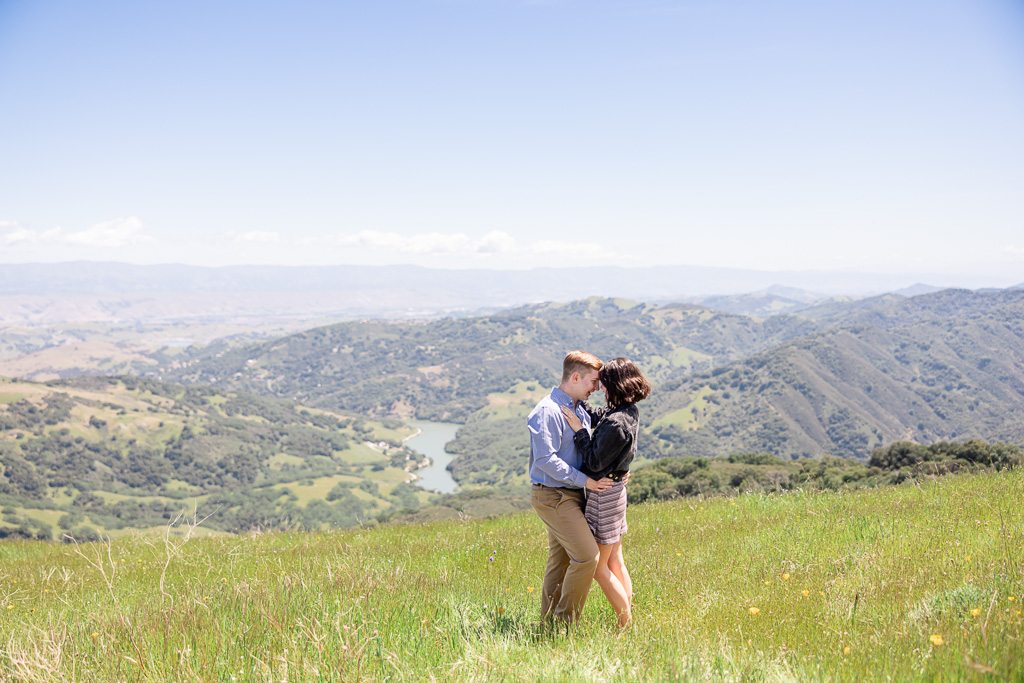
x,y
18,235
12,232
496,243
586,250
493,243
426,243
1014,251
116,233
260,237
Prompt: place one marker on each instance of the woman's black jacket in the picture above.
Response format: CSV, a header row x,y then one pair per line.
x,y
612,445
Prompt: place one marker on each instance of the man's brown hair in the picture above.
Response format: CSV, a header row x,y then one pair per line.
x,y
624,382
581,362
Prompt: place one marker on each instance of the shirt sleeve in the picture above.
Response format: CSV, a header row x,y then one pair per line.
x,y
602,449
545,439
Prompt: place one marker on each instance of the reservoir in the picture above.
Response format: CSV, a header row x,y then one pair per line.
x,y
430,442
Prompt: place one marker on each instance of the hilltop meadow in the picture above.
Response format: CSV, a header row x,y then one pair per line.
x,y
920,581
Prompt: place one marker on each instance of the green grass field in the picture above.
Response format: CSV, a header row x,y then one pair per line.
x,y
918,582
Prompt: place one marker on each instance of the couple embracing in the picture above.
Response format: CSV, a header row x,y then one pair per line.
x,y
579,461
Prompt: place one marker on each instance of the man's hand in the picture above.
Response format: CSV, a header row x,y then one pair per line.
x,y
600,485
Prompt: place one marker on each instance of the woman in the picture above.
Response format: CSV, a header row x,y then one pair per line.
x,y
607,453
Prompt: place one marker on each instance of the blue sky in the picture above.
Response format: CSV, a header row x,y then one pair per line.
x,y
879,136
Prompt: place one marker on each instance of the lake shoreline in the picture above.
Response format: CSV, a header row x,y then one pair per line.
x,y
432,438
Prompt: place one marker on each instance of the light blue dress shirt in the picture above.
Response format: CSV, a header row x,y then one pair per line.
x,y
554,460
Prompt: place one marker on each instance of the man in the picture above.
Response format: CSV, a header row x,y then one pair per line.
x,y
557,489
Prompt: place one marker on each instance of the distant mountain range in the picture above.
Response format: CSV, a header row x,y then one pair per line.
x,y
122,293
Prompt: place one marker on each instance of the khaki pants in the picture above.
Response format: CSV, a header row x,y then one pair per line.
x,y
572,551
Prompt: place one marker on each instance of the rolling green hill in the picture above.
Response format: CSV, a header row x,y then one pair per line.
x,y
841,378
954,370
103,455
446,369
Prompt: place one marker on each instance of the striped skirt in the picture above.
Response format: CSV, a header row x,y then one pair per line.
x,y
606,514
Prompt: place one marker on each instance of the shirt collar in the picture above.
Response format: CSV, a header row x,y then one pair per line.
x,y
562,398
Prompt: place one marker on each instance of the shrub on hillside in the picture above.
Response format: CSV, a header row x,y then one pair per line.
x,y
903,454
755,459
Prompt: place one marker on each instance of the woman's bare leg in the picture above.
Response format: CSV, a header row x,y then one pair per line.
x,y
610,584
617,566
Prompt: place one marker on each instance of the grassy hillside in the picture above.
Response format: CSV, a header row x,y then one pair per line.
x,y
917,582
849,390
103,455
840,378
42,352
944,366
446,369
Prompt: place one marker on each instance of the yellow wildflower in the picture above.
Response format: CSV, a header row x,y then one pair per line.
x,y
936,640
529,589
785,577
805,592
95,635
754,610
975,612
846,650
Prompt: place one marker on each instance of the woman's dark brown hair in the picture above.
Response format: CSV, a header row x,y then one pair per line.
x,y
624,382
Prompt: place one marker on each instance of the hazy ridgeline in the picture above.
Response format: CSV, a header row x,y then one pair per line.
x,y
908,583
